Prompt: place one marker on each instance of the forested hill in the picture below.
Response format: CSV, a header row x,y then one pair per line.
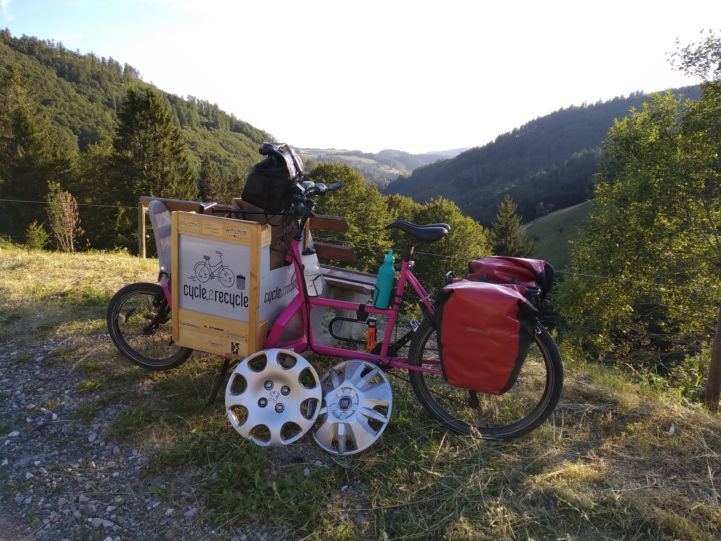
x,y
382,167
545,165
82,94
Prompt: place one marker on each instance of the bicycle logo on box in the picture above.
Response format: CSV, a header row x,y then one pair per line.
x,y
205,270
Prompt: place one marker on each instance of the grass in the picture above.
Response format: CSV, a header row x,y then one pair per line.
x,y
552,234
616,461
88,386
40,289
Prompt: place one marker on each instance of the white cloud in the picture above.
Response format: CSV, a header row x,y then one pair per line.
x,y
4,5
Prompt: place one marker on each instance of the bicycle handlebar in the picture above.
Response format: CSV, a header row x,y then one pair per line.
x,y
302,205
321,188
335,186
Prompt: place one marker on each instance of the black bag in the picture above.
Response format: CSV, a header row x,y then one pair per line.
x,y
270,181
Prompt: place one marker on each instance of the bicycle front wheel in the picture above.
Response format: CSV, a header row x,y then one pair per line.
x,y
202,271
139,324
518,411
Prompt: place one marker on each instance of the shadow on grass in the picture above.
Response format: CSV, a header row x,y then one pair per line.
x,y
39,316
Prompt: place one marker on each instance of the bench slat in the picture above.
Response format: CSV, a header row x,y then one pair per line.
x,y
329,223
334,251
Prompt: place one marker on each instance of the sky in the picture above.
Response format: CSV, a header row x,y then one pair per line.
x,y
410,75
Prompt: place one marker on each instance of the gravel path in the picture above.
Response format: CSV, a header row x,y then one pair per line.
x,y
60,478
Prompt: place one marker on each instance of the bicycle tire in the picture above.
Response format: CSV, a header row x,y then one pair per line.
x,y
496,417
226,277
138,321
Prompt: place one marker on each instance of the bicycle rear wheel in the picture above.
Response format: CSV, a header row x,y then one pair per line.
x,y
139,324
518,411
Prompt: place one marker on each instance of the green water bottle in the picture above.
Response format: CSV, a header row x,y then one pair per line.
x,y
384,282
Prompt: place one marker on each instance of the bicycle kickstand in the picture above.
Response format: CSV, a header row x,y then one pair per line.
x,y
218,381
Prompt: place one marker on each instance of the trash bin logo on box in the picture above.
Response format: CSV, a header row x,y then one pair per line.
x,y
214,277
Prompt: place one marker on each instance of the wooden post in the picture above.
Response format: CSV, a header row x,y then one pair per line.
x,y
141,231
713,383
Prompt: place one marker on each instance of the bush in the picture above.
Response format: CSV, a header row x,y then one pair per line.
x,y
36,238
63,216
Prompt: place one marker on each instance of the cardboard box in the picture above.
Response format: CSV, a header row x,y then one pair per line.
x,y
225,297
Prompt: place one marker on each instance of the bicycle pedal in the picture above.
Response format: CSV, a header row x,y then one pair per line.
x,y
414,324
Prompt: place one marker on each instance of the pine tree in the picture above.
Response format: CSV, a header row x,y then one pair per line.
x,y
149,149
507,234
32,152
212,187
149,158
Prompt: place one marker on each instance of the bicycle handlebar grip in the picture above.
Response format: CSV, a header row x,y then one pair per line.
x,y
334,186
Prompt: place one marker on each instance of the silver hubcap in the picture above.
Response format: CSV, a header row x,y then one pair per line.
x,y
357,403
273,397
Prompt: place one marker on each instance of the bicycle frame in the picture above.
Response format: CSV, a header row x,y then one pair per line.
x,y
301,305
217,267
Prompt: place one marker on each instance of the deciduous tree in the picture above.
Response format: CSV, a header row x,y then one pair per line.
x,y
655,232
363,208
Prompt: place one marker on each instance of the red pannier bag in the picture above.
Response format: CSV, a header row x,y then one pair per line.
x,y
485,332
518,271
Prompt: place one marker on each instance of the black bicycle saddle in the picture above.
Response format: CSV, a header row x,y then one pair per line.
x,y
423,233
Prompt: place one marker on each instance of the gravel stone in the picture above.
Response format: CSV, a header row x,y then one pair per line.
x,y
69,481
190,513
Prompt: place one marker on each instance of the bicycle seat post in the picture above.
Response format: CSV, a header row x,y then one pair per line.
x,y
410,247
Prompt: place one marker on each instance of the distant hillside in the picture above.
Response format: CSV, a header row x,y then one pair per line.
x,y
82,94
378,168
551,233
545,165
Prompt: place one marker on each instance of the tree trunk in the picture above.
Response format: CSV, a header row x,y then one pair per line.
x,y
713,383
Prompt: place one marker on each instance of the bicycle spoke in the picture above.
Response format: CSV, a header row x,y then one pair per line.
x,y
524,405
138,320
